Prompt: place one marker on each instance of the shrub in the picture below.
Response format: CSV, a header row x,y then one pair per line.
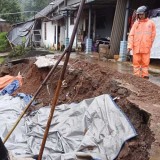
x,y
4,44
2,59
19,50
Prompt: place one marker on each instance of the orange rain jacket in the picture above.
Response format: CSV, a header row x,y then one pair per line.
x,y
141,36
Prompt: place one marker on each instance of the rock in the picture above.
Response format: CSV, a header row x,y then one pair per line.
x,y
122,91
4,70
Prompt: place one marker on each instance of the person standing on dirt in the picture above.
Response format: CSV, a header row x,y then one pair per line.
x,y
140,41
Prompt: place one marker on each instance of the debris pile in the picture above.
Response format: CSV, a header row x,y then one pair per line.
x,y
86,80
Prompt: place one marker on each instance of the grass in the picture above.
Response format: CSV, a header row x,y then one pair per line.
x,y
4,44
2,60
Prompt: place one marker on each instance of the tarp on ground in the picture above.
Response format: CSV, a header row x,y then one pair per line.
x,y
20,33
95,128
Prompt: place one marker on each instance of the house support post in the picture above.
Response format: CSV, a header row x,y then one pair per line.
x,y
67,38
123,43
118,27
89,40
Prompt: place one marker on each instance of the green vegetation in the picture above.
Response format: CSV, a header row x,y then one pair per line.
x,y
36,5
4,44
32,5
13,10
19,50
2,59
10,6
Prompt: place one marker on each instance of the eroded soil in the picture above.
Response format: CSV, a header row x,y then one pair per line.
x,y
85,80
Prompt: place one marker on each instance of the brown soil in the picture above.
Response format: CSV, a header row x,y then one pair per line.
x,y
85,80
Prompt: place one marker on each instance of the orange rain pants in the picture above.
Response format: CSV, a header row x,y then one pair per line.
x,y
141,64
140,41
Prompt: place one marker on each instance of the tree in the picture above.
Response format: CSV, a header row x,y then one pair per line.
x,y
33,6
10,6
36,5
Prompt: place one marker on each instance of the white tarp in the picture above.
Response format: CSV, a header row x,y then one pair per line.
x,y
94,128
155,51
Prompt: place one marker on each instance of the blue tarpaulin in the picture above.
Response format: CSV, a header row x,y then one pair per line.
x,y
9,89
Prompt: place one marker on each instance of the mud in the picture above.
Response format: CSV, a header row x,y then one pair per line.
x,y
85,80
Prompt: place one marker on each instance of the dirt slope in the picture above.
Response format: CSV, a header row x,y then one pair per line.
x,y
85,80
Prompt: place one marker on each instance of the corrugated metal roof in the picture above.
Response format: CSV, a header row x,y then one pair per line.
x,y
57,17
48,9
93,2
21,30
103,2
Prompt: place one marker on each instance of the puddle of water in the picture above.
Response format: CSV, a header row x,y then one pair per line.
x,y
155,80
124,68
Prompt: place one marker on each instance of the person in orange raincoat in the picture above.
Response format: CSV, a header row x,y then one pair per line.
x,y
140,41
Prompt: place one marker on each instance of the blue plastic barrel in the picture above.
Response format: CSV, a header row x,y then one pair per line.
x,y
89,45
123,51
66,42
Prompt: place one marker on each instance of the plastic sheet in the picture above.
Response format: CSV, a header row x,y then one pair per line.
x,y
94,128
9,89
155,51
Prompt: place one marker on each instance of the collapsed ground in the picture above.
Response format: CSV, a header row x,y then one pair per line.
x,y
85,80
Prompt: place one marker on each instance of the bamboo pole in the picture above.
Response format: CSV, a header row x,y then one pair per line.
x,y
55,98
33,98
